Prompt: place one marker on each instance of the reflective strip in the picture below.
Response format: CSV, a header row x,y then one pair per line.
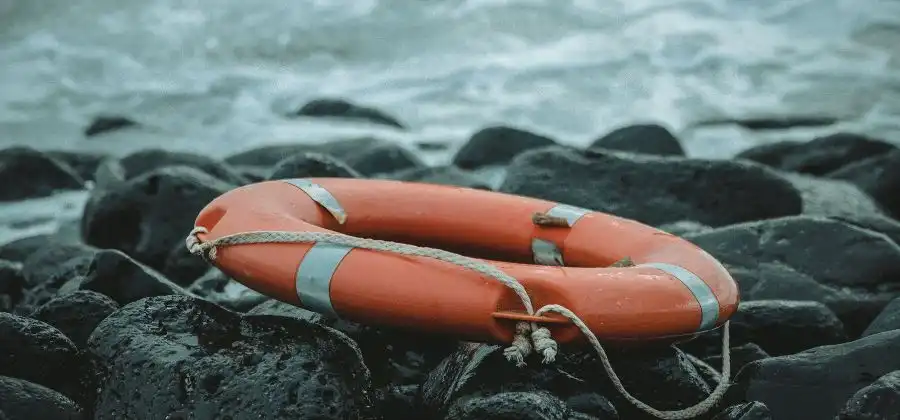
x,y
546,252
320,195
313,280
571,213
709,305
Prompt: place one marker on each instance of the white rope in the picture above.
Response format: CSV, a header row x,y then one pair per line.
x,y
521,347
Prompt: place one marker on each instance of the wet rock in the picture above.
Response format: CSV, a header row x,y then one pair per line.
x,y
740,356
20,249
253,173
312,164
779,327
832,198
12,285
218,288
146,216
21,400
44,174
651,139
367,155
399,403
497,145
36,351
816,383
594,405
771,123
178,356
510,405
395,357
144,161
684,227
851,270
664,378
83,163
182,267
341,108
48,269
753,410
123,279
443,175
878,176
76,314
819,156
880,400
887,320
383,158
107,123
874,222
651,189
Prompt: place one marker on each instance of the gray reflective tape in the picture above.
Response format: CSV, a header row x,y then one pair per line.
x,y
570,213
313,280
546,252
709,305
320,195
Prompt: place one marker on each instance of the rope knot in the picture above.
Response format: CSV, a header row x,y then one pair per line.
x,y
205,250
544,344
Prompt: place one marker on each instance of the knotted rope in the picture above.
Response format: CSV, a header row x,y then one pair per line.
x,y
529,337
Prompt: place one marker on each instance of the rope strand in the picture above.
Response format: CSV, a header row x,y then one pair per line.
x,y
529,337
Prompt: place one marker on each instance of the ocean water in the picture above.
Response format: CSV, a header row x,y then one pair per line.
x,y
216,77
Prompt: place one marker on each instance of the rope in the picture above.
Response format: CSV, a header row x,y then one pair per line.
x,y
540,339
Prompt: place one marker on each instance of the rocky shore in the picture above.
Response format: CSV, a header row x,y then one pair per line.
x,y
120,322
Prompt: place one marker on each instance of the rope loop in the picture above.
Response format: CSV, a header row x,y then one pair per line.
x,y
528,338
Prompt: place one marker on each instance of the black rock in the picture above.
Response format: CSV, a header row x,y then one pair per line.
x,y
312,164
146,216
383,158
651,189
819,156
753,410
395,357
367,155
123,279
48,269
27,173
594,405
853,271
106,123
510,405
443,175
399,403
780,122
497,146
887,320
684,227
182,267
880,400
38,352
76,314
20,249
218,288
740,356
816,383
115,171
253,173
833,198
652,139
663,378
878,176
83,163
335,107
876,223
12,285
780,327
23,400
182,357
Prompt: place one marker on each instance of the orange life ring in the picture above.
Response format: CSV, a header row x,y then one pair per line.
x,y
675,289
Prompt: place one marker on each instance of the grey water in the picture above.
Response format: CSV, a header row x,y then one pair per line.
x,y
216,77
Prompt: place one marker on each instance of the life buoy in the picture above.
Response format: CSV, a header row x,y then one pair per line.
x,y
561,255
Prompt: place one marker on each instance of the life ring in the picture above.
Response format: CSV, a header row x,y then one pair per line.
x,y
561,255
